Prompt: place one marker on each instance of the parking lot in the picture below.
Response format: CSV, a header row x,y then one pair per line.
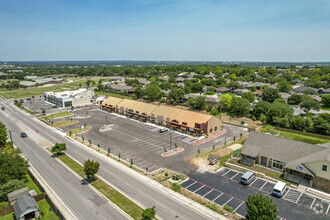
x,y
223,188
142,142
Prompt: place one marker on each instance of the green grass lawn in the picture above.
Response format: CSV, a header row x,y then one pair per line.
x,y
31,185
57,115
103,93
210,93
44,211
325,108
78,130
63,123
28,92
303,138
116,197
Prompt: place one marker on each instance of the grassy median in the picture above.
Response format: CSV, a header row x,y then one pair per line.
x,y
78,130
57,115
113,195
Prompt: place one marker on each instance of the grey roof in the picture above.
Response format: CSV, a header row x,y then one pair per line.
x,y
298,111
326,90
277,148
27,83
222,89
119,87
14,195
303,88
317,98
284,95
180,79
24,205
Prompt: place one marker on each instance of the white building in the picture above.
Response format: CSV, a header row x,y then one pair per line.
x,y
76,98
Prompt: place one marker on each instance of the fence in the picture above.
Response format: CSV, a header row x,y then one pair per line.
x,y
304,133
6,211
52,205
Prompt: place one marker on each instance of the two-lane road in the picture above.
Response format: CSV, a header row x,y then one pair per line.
x,y
142,190
81,200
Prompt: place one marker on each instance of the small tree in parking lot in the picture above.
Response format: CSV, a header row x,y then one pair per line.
x,y
109,151
131,162
83,139
259,206
90,142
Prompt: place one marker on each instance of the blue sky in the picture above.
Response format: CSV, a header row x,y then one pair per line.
x,y
214,30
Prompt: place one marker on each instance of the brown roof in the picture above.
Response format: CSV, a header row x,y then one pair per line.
x,y
112,101
222,89
166,111
144,108
191,117
127,103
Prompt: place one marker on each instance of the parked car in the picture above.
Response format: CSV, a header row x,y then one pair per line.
x,y
29,99
3,108
247,178
279,189
21,101
23,135
213,161
162,130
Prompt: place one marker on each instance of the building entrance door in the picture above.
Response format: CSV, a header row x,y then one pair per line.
x,y
264,161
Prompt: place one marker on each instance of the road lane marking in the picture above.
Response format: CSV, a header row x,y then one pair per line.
x,y
199,188
226,173
239,206
234,175
190,185
217,197
208,192
327,209
263,185
312,203
227,201
286,193
299,197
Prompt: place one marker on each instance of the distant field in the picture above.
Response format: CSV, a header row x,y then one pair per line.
x,y
23,93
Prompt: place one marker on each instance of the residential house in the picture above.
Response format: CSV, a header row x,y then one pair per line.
x,y
179,79
222,89
301,89
26,207
300,162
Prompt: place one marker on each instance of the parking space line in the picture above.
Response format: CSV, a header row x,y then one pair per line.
x,y
234,175
239,206
299,197
191,185
226,173
207,193
227,201
327,209
253,181
312,203
217,197
286,193
199,188
263,185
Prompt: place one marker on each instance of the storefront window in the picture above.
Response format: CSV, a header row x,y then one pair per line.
x,y
278,164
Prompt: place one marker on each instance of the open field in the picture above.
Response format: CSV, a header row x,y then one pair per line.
x,y
22,93
303,138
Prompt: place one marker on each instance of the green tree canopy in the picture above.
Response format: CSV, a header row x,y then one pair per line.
x,y
240,106
152,91
261,107
261,207
58,148
12,166
308,103
270,94
214,111
198,102
176,95
248,96
149,214
10,186
225,101
284,86
295,99
91,167
3,135
197,87
326,100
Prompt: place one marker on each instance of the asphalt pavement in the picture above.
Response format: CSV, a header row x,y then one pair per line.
x,y
142,190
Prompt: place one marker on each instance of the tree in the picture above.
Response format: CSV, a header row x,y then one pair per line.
x,y
284,86
198,102
10,186
214,111
295,99
240,106
321,126
270,94
3,135
225,101
248,96
176,95
260,108
58,148
12,166
91,167
272,114
138,93
308,104
326,100
149,213
197,87
152,91
309,92
261,207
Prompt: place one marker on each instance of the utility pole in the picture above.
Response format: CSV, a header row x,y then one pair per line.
x,y
106,120
11,139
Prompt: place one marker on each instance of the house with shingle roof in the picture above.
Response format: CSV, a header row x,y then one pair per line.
x,y
297,160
